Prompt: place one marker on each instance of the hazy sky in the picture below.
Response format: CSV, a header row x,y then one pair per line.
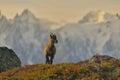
x,y
58,10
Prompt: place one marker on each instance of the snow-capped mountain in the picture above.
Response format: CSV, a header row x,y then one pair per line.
x,y
26,34
97,17
97,32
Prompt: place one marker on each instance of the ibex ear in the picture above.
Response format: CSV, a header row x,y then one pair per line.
x,y
54,34
51,34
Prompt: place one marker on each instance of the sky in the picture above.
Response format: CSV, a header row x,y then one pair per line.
x,y
61,11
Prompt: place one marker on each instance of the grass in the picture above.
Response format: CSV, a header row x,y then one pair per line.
x,y
107,70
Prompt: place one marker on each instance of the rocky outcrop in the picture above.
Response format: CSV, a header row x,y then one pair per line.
x,y
99,58
8,59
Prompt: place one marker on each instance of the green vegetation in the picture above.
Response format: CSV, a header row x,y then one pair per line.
x,y
106,69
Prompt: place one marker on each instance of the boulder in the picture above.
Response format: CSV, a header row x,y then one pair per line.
x,y
8,59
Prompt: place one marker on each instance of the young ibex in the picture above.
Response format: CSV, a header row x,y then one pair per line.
x,y
50,49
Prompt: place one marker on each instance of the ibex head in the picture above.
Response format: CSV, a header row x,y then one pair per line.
x,y
53,37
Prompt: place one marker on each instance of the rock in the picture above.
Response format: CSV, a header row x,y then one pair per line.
x,y
8,59
99,58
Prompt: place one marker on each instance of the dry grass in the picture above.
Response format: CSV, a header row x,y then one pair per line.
x,y
109,69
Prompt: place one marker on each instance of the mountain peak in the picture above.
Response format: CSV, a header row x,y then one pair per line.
x,y
3,18
97,17
26,15
27,12
94,17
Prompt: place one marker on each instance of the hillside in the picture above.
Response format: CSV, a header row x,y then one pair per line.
x,y
99,67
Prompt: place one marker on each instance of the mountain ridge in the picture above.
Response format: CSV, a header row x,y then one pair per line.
x,y
98,17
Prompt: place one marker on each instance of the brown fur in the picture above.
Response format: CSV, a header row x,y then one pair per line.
x,y
50,49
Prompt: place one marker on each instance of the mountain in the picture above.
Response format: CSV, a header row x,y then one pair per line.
x,y
26,35
97,32
98,67
87,37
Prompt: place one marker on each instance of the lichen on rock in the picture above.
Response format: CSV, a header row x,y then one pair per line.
x,y
8,59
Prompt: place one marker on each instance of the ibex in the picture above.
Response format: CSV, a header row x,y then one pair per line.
x,y
50,49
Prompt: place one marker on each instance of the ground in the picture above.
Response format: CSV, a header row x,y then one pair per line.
x,y
98,67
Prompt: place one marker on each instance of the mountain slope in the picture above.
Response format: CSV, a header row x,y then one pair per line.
x,y
98,67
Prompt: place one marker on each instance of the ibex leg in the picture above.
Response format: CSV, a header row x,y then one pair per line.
x,y
47,60
51,59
